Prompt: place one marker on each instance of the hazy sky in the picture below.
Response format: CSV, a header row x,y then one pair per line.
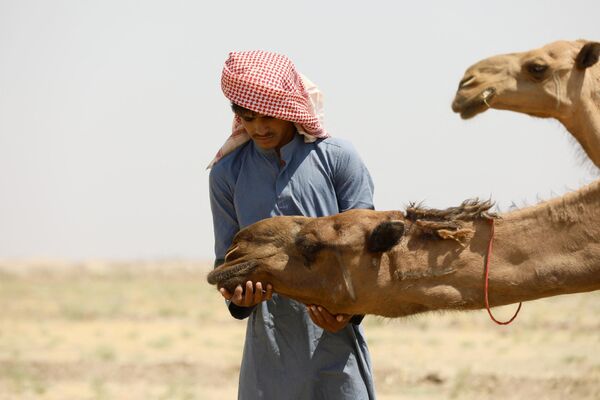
x,y
111,110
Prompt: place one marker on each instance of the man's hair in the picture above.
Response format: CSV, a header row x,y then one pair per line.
x,y
239,110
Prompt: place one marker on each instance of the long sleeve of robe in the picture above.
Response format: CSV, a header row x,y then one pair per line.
x,y
286,356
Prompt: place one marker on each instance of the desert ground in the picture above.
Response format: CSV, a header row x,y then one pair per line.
x,y
157,330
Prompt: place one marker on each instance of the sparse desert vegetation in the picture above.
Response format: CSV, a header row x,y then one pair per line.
x,y
157,330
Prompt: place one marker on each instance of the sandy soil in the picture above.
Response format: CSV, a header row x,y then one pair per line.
x,y
156,330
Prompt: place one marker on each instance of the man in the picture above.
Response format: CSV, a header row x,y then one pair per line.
x,y
280,161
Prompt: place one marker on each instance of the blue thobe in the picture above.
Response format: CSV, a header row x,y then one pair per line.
x,y
287,356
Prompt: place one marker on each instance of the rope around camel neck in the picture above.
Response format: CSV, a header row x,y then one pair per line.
x,y
487,272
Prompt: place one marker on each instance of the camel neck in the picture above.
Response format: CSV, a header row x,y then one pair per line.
x,y
546,250
549,249
584,125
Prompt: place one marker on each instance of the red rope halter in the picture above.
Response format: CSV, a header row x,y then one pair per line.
x,y
487,272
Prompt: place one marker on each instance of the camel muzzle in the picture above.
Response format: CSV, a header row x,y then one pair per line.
x,y
229,276
470,107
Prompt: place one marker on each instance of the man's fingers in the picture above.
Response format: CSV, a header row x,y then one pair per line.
x,y
269,294
258,293
225,293
314,314
326,316
324,319
249,295
311,314
317,317
343,317
237,295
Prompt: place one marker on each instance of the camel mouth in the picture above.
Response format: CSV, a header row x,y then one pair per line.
x,y
474,106
230,276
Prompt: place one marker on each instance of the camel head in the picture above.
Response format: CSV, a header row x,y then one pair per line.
x,y
313,260
560,80
545,82
340,261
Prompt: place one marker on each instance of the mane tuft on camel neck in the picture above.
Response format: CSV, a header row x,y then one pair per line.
x,y
448,223
469,210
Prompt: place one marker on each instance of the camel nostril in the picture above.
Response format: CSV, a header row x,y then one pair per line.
x,y
466,81
232,250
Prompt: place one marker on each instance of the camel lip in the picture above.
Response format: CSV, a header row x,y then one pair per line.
x,y
229,276
475,105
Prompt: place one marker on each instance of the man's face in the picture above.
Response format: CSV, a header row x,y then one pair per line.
x,y
267,132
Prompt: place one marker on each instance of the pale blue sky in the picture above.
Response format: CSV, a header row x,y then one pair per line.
x,y
110,110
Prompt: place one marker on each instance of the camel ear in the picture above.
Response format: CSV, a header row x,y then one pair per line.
x,y
588,55
385,236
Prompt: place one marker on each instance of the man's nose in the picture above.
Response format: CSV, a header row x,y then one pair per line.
x,y
261,128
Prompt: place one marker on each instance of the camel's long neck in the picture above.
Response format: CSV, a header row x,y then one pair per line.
x,y
542,251
584,124
547,250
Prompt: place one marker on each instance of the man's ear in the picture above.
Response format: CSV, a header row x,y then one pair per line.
x,y
588,55
385,236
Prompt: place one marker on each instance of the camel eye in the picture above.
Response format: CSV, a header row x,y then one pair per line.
x,y
536,70
309,249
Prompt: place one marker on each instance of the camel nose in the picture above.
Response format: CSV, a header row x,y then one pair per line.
x,y
457,104
461,97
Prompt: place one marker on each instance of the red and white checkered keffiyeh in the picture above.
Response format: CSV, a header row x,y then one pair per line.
x,y
268,83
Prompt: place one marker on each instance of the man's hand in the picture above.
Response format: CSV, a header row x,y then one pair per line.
x,y
323,318
253,295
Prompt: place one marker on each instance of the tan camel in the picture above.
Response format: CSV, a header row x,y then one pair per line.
x,y
560,80
395,264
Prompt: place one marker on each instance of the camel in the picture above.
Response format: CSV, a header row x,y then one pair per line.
x,y
560,80
395,264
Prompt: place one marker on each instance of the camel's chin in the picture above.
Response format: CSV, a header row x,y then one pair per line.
x,y
476,105
473,112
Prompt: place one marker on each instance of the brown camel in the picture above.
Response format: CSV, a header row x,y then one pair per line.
x,y
394,264
560,80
